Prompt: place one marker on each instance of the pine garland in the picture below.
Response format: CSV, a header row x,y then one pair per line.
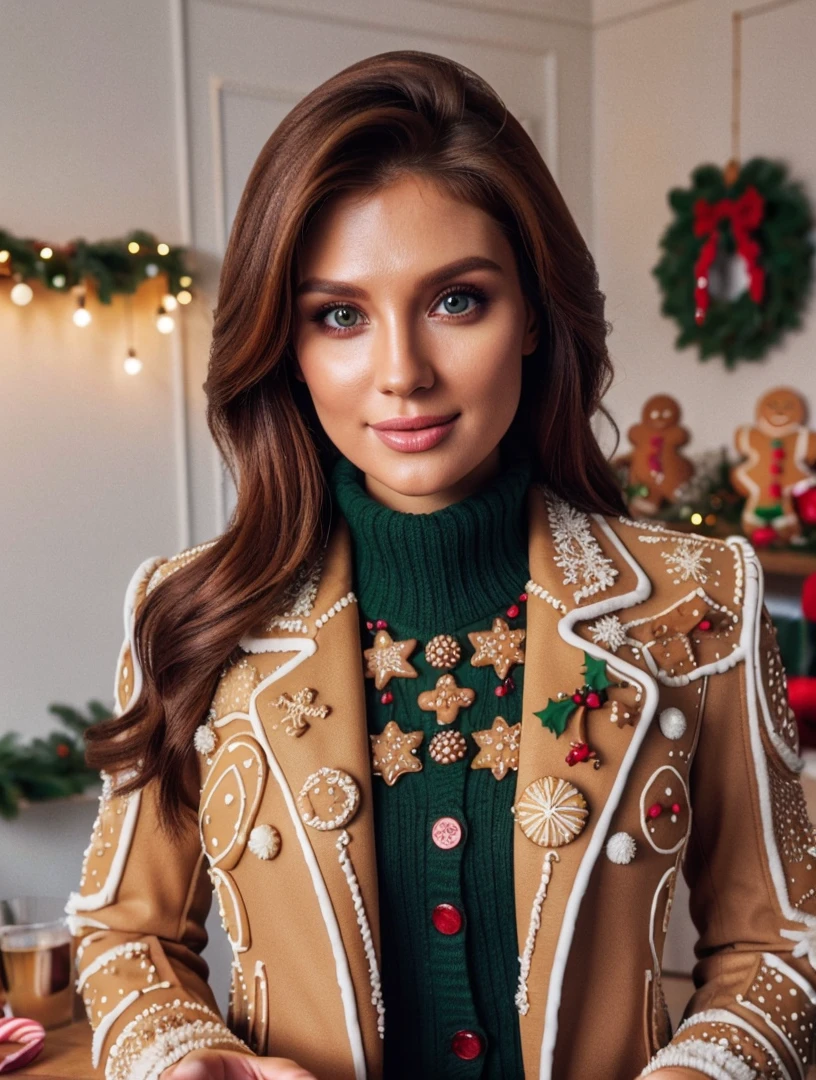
x,y
49,768
745,327
109,265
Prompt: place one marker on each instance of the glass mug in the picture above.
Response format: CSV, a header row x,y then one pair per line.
x,y
36,960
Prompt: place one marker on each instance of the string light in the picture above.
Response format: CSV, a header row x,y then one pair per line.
x,y
169,302
6,255
132,364
186,281
82,316
163,249
165,323
696,519
184,297
133,247
22,294
46,253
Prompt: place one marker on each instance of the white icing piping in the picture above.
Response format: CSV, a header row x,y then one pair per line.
x,y
365,930
793,761
708,1058
107,1022
107,894
240,942
724,1016
144,572
77,922
641,591
783,1038
260,1013
127,948
307,647
660,886
751,609
643,820
526,958
776,962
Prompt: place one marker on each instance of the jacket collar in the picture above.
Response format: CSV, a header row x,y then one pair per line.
x,y
581,574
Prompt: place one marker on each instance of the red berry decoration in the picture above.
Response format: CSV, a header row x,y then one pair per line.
x,y
369,624
593,700
523,597
512,611
578,698
655,810
500,690
63,750
382,624
676,808
387,697
704,624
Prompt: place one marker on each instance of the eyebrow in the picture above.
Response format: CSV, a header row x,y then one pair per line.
x,y
436,277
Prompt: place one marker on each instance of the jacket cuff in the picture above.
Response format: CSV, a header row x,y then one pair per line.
x,y
161,1034
709,1058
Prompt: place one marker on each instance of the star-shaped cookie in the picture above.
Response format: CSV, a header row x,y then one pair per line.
x,y
393,752
387,658
447,699
498,747
499,647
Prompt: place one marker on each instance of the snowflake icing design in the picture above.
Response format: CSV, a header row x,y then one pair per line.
x,y
687,562
609,631
578,553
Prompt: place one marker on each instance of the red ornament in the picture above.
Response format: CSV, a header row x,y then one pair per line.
x,y
763,536
382,624
387,697
578,698
500,690
806,505
593,700
369,624
512,611
63,750
523,597
655,810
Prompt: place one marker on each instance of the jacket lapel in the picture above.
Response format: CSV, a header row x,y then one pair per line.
x,y
342,872
581,573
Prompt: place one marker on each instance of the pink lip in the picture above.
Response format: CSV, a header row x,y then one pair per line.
x,y
413,440
412,423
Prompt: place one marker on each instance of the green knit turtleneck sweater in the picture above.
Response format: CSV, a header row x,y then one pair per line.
x,y
448,572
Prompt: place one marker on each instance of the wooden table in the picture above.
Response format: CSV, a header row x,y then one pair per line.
x,y
65,1056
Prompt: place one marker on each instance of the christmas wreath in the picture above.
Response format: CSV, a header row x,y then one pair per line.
x,y
49,768
737,259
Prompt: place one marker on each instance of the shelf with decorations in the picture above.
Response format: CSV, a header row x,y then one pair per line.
x,y
98,272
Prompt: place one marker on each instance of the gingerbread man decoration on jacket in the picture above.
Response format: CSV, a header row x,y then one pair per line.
x,y
656,467
780,453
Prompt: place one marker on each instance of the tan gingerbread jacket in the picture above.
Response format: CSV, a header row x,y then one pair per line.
x,y
698,769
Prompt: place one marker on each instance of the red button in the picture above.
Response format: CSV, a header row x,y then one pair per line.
x,y
446,832
447,919
467,1045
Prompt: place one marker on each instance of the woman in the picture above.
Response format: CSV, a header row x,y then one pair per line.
x,y
432,715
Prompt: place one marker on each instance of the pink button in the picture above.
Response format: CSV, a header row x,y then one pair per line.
x,y
446,832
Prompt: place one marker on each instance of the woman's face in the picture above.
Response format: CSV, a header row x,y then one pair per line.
x,y
409,305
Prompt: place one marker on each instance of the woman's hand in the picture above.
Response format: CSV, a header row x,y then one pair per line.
x,y
231,1065
677,1074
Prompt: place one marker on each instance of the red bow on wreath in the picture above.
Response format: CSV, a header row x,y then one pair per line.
x,y
745,213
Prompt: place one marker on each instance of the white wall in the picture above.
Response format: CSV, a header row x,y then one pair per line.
x,y
661,106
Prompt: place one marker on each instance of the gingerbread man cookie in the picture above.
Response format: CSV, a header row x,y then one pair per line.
x,y
656,467
779,454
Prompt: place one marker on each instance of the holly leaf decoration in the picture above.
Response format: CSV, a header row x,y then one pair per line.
x,y
556,714
595,673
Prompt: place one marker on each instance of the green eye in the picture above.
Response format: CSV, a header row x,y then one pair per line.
x,y
344,315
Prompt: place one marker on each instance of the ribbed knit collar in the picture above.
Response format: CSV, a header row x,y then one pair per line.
x,y
434,572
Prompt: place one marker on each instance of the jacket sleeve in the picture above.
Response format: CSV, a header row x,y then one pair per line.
x,y
138,919
750,864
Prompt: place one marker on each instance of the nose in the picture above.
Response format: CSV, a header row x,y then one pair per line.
x,y
400,363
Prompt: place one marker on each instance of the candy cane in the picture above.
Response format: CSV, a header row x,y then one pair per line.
x,y
16,1029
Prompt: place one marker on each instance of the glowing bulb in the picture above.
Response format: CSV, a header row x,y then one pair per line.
x,y
165,323
82,316
133,247
58,280
132,364
696,519
163,249
6,255
184,297
46,253
22,294
185,281
169,302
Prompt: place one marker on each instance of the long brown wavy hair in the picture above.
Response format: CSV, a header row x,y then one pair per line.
x,y
397,112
